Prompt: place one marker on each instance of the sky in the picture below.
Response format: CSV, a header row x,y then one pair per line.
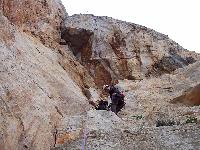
x,y
179,19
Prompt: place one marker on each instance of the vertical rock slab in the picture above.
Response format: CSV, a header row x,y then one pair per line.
x,y
35,91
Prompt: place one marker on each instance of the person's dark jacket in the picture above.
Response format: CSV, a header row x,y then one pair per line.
x,y
113,90
114,95
117,98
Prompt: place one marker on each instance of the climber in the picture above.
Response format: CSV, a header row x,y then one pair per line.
x,y
117,98
102,105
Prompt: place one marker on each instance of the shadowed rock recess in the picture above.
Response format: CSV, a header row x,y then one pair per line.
x,y
52,64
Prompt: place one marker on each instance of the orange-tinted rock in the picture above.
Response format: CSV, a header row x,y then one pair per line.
x,y
36,91
190,97
132,51
66,137
40,18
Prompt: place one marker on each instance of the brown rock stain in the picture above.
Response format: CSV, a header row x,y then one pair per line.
x,y
118,43
66,137
190,97
29,14
102,76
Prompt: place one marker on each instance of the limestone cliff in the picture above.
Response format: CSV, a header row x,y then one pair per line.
x,y
35,90
40,81
122,50
52,63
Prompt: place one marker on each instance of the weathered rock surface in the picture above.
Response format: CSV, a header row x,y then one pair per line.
x,y
41,18
35,91
45,82
102,130
113,49
190,97
149,120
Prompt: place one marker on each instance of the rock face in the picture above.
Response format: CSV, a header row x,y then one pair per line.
x,y
119,50
190,97
35,90
49,69
40,18
38,85
148,120
104,131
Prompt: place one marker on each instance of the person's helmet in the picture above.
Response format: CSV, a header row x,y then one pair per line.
x,y
105,87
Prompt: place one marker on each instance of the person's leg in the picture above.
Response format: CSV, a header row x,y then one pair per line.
x,y
114,108
114,104
120,104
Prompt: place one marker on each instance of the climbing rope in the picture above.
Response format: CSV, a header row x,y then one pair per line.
x,y
84,139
